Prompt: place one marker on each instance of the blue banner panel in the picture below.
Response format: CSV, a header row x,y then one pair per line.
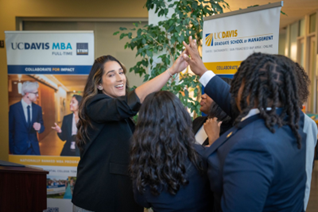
x,y
49,69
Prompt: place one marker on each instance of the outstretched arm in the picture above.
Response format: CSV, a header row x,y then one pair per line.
x,y
158,82
215,87
127,106
62,132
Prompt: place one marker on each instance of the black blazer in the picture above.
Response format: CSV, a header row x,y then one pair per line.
x,y
66,134
103,183
194,197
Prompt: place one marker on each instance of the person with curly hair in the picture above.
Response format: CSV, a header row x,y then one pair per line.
x,y
259,164
104,131
166,165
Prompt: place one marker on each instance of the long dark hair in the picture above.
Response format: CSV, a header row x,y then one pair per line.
x,y
303,83
216,111
269,81
161,144
90,90
78,98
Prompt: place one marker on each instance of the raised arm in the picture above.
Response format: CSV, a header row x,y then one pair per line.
x,y
215,87
158,82
219,91
103,108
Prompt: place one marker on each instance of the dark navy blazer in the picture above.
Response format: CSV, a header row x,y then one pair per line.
x,y
252,169
23,138
194,197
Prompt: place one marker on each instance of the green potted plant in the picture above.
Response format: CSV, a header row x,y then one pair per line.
x,y
164,42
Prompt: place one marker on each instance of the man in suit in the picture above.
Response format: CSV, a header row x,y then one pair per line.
x,y
25,121
259,164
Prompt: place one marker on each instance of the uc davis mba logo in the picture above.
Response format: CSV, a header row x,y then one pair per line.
x,y
82,48
209,39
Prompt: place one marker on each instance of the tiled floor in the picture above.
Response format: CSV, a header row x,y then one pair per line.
x,y
313,199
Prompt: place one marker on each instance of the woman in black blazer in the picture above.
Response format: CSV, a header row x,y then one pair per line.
x,y
104,131
209,107
167,168
68,130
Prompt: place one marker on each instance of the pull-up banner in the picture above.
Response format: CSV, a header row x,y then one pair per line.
x,y
47,72
49,52
229,38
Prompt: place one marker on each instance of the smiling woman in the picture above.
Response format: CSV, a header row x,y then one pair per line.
x,y
68,130
104,131
113,80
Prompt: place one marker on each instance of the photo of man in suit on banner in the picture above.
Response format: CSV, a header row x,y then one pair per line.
x,y
25,121
51,98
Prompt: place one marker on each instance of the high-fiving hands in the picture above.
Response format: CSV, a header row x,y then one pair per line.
x,y
190,56
194,60
179,65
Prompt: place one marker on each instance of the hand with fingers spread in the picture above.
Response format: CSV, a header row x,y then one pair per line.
x,y
179,65
212,129
57,128
194,60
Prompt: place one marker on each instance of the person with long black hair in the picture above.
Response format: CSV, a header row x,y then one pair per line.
x,y
259,164
166,165
104,131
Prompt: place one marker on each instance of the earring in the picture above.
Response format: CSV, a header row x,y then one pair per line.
x,y
100,87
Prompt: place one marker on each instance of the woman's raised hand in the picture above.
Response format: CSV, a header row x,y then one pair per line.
x,y
194,60
179,64
57,128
